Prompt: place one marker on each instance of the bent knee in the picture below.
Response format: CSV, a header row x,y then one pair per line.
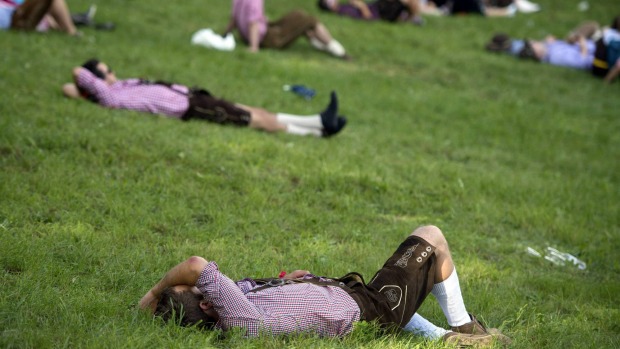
x,y
428,229
431,234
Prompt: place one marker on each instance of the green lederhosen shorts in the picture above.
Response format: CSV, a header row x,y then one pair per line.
x,y
287,29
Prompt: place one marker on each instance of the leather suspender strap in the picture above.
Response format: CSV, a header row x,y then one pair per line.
x,y
346,282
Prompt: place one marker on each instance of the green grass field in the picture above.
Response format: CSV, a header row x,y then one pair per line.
x,y
96,204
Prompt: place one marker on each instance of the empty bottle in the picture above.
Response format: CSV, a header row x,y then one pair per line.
x,y
300,90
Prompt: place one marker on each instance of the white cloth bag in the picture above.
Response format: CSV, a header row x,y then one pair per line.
x,y
208,38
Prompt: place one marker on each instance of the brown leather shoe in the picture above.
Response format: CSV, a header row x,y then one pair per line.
x,y
463,340
475,328
472,327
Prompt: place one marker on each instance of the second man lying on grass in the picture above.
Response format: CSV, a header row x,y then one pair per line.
x,y
95,81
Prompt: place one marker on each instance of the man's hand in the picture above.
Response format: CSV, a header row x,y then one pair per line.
x,y
254,37
296,274
149,301
70,90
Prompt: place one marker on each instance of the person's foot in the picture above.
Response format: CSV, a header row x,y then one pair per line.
x,y
462,340
329,117
526,6
85,18
476,328
341,122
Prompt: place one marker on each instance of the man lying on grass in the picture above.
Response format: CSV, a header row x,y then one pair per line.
x,y
195,292
95,81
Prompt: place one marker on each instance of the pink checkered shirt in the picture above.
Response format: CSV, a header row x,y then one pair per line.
x,y
136,95
326,310
246,12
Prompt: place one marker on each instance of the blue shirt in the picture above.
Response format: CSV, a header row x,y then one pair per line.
x,y
562,53
6,15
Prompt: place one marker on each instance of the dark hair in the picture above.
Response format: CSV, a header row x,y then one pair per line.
x,y
527,52
91,66
615,24
499,43
184,308
323,6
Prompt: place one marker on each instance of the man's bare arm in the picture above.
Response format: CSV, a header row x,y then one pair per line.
x,y
254,37
613,73
184,273
296,274
70,90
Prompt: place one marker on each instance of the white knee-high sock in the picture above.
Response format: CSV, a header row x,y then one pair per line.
x,y
422,327
303,131
305,121
448,294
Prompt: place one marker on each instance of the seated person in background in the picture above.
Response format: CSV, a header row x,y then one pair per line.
x,y
249,18
96,82
607,54
195,292
577,51
39,15
386,10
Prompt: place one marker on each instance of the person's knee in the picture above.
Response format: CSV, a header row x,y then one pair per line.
x,y
428,229
303,18
432,235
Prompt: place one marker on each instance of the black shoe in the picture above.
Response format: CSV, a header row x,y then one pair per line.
x,y
85,18
341,123
329,117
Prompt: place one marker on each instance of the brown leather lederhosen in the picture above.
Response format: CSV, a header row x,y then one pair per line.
x,y
203,105
387,298
287,29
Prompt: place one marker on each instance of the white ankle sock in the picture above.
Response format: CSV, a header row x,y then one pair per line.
x,y
305,121
448,294
303,131
424,328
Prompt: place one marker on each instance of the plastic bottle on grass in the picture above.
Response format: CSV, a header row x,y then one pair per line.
x,y
300,90
558,257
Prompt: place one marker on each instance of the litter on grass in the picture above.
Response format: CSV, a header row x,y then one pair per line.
x,y
558,257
